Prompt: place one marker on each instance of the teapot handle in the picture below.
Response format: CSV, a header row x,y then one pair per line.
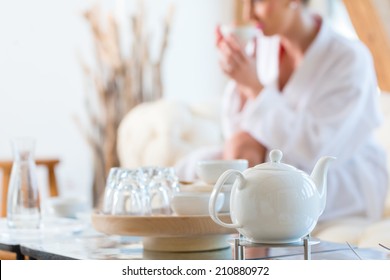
x,y
217,189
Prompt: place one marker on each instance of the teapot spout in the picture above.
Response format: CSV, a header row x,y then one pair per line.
x,y
319,177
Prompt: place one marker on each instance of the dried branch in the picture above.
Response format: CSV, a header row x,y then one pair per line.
x,y
120,82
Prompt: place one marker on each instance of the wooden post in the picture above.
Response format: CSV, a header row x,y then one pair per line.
x,y
369,26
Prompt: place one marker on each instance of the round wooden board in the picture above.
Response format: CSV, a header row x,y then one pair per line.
x,y
186,244
160,226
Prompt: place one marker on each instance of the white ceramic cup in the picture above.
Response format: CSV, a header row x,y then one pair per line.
x,y
243,33
66,206
209,170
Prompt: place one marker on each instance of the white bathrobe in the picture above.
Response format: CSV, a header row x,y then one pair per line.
x,y
328,107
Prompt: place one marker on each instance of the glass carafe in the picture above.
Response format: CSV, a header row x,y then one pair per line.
x,y
23,204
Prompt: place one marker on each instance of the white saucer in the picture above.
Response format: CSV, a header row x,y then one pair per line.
x,y
200,186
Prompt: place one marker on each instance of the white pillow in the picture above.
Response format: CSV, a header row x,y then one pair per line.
x,y
162,132
376,233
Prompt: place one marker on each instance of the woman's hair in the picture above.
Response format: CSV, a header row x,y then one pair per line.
x,y
305,2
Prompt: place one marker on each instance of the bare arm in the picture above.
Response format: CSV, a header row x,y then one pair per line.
x,y
243,146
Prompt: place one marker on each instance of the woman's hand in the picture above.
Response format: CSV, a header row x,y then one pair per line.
x,y
237,65
243,146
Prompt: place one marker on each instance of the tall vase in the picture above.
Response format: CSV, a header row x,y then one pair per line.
x,y
23,204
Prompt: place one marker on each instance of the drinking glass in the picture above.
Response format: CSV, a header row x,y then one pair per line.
x,y
162,185
143,191
145,178
111,185
127,196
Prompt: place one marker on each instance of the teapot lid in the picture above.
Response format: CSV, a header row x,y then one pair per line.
x,y
274,164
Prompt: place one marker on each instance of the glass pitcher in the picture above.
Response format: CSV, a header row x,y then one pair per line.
x,y
23,204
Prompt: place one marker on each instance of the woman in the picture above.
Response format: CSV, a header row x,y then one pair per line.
x,y
308,92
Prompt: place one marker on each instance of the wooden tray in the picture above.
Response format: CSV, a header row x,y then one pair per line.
x,y
168,233
160,226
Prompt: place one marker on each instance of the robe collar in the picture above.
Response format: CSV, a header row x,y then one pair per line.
x,y
296,86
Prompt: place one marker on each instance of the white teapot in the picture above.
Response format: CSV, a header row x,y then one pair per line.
x,y
274,202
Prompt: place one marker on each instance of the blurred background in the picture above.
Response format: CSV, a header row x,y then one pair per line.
x,y
44,88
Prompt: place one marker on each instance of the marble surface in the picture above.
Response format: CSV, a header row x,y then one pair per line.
x,y
77,239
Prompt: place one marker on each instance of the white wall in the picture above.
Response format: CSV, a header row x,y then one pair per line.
x,y
41,82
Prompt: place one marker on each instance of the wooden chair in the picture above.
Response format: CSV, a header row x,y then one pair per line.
x,y
6,167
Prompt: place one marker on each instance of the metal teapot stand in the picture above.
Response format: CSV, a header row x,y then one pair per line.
x,y
241,243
